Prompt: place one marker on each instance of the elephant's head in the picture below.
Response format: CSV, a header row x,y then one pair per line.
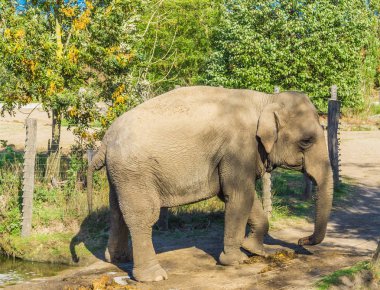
x,y
293,138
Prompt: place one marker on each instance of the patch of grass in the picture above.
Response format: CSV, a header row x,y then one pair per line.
x,y
59,214
51,247
375,109
361,128
197,215
334,278
288,197
342,191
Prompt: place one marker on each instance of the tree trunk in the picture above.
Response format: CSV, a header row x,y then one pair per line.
x,y
56,131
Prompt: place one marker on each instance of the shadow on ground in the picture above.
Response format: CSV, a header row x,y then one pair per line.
x,y
358,216
199,230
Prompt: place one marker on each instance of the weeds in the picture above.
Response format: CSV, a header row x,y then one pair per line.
x,y
360,276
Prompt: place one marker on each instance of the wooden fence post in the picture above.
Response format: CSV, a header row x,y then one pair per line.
x,y
28,180
332,132
90,154
308,190
267,193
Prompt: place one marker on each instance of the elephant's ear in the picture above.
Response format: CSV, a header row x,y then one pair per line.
x,y
268,126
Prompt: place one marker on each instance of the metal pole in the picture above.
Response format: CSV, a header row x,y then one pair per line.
x,y
332,132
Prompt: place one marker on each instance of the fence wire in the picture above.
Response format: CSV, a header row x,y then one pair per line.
x,y
50,167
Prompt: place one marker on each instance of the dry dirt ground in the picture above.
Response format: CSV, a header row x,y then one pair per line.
x,y
191,260
12,129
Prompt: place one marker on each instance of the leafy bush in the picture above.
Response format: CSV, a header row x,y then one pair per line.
x,y
297,45
176,43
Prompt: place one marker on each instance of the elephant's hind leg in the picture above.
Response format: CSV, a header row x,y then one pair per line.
x,y
141,208
118,248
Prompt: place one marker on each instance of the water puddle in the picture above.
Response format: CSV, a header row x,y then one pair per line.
x,y
13,271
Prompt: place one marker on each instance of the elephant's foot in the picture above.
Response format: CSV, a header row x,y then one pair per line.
x,y
253,246
311,241
232,258
150,273
117,256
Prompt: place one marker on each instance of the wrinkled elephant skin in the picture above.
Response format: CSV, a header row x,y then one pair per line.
x,y
194,143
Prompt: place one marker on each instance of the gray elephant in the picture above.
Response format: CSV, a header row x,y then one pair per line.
x,y
193,143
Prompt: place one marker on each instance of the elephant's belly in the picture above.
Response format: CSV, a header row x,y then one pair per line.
x,y
192,189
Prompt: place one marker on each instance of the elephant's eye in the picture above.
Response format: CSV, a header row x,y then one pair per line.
x,y
306,143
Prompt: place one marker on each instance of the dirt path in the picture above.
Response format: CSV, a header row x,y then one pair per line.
x,y
12,129
191,261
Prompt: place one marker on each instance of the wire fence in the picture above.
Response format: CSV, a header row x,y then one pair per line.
x,y
50,167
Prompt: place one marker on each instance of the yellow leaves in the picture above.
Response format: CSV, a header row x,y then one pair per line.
x,y
112,49
69,11
17,47
82,21
7,33
89,4
108,10
19,33
72,112
118,92
120,100
73,54
52,89
31,65
123,59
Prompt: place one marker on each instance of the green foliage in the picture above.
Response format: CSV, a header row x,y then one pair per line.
x,y
10,192
8,155
334,278
69,56
375,109
297,45
176,43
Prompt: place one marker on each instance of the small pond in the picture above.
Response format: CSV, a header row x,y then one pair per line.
x,y
13,271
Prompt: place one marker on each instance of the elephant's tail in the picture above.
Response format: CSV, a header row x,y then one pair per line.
x,y
97,162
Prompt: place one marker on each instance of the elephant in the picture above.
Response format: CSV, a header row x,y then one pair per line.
x,y
193,143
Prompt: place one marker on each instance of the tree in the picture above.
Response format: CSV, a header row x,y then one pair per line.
x,y
176,42
67,55
297,45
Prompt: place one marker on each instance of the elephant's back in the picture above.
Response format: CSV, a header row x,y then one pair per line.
x,y
183,114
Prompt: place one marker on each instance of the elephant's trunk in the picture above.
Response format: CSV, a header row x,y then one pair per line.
x,y
317,166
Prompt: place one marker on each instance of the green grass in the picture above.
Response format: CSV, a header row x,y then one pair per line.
x,y
59,214
333,279
375,109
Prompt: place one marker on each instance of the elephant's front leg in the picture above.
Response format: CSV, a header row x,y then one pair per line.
x,y
259,225
237,190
